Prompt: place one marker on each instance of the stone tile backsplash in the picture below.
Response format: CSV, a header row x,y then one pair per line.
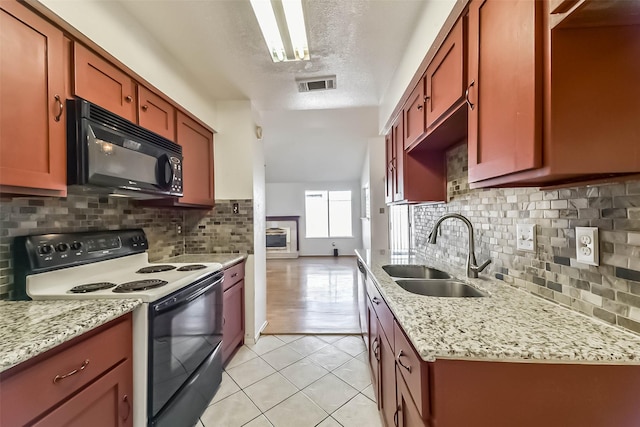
x,y
170,232
610,291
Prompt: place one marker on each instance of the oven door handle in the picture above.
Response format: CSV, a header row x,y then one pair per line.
x,y
183,299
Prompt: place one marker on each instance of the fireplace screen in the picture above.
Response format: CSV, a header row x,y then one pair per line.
x,y
276,238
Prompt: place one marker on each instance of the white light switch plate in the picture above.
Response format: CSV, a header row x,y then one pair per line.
x,y
526,237
587,249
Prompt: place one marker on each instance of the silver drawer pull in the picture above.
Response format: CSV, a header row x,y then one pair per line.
x,y
407,367
234,274
59,378
375,300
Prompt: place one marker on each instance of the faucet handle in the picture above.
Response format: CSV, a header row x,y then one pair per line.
x,y
479,268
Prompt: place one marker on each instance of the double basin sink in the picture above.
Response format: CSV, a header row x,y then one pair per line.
x,y
423,280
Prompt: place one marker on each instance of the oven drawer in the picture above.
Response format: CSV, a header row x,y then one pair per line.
x,y
30,389
233,275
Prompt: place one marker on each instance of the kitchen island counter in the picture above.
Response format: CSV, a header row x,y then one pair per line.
x,y
509,325
29,328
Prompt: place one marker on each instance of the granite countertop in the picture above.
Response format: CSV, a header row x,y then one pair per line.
x,y
510,324
227,260
29,328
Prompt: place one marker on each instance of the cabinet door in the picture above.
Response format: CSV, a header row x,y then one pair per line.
x,y
107,402
390,156
374,349
398,170
156,114
446,76
505,87
414,116
233,315
407,415
99,82
32,121
197,166
387,397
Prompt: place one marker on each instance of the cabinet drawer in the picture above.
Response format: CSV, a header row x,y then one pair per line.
x,y
413,370
233,275
382,311
28,392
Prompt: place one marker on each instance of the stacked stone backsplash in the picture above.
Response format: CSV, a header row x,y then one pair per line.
x,y
610,291
169,230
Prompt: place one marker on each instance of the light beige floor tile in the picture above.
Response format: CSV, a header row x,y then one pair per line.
x,y
369,392
289,337
250,372
355,373
329,357
281,357
234,411
303,372
227,388
270,391
330,422
358,412
265,344
307,345
242,355
352,345
363,357
330,338
330,392
261,421
298,410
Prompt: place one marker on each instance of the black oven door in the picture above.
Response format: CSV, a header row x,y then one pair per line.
x,y
185,355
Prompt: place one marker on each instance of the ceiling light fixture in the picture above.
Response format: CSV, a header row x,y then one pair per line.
x,y
283,28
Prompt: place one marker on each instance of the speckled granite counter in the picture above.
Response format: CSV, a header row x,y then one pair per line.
x,y
28,328
511,324
227,260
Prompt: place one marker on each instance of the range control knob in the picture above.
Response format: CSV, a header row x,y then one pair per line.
x,y
62,247
45,249
76,245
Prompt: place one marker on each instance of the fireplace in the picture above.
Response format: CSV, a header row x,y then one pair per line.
x,y
282,237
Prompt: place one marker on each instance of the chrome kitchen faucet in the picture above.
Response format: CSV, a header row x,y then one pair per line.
x,y
472,268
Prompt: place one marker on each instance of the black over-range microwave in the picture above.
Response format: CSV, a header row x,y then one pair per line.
x,y
108,154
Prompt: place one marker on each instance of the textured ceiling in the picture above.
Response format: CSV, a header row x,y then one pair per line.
x,y
220,45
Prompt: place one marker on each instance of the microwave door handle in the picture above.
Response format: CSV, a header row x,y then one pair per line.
x,y
164,165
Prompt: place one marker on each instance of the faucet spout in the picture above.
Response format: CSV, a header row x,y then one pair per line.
x,y
472,267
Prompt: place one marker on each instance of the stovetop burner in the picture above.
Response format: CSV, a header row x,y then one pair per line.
x,y
140,285
91,287
192,267
156,268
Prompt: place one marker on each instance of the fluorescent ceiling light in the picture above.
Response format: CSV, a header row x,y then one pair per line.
x,y
282,19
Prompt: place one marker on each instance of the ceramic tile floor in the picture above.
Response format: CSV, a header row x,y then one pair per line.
x,y
296,381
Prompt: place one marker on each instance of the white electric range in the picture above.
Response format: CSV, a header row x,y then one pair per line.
x,y
177,330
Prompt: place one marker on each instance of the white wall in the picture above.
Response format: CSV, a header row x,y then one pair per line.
x,y
113,29
287,199
375,230
431,21
259,239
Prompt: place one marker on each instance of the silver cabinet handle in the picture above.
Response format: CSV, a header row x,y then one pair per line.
x,y
125,399
59,378
60,108
395,416
376,301
234,274
407,367
375,346
466,95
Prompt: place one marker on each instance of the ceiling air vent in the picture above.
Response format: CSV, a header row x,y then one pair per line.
x,y
316,83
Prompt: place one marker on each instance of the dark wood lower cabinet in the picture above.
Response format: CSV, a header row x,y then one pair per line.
x,y
374,349
407,414
387,368
233,310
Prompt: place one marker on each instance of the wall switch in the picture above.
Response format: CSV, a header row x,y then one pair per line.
x,y
526,237
587,248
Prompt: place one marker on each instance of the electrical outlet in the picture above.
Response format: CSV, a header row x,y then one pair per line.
x,y
236,209
526,237
587,248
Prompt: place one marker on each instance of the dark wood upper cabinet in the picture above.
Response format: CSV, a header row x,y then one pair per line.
x,y
415,116
32,94
197,151
389,174
397,133
97,81
504,87
156,114
445,77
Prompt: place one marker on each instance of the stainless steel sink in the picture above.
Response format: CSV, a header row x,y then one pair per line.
x,y
441,288
414,272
